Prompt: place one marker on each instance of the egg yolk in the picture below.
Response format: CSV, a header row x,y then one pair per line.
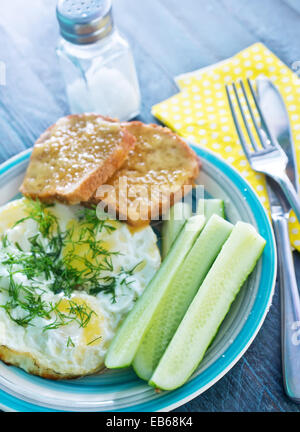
x,y
12,213
77,250
91,334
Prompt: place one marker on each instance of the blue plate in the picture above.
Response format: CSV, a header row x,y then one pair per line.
x,y
122,390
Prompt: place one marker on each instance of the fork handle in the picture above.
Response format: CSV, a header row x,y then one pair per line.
x,y
290,310
290,193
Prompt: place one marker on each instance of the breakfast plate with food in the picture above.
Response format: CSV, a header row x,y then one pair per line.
x,y
136,269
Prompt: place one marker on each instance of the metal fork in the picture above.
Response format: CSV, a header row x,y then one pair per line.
x,y
269,159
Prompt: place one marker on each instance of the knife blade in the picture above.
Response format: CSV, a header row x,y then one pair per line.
x,y
277,119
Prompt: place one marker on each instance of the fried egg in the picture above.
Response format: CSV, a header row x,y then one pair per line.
x,y
67,280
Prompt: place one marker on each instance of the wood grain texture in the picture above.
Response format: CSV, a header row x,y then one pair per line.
x,y
168,37
294,4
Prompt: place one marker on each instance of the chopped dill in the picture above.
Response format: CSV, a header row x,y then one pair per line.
x,y
88,216
47,260
27,299
81,314
18,246
94,340
108,287
4,240
37,211
70,342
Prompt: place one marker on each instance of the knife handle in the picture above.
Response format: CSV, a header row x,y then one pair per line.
x,y
290,310
290,193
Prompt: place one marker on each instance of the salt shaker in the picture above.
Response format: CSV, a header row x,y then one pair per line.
x,y
96,61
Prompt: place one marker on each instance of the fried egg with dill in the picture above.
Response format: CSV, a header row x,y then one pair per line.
x,y
67,280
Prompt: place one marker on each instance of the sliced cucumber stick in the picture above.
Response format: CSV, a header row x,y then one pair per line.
x,y
125,343
179,294
208,207
214,206
177,217
231,268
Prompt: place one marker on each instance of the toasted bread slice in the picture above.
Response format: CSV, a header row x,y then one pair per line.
x,y
159,170
74,156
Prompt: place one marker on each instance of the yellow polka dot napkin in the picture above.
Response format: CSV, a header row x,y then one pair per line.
x,y
200,112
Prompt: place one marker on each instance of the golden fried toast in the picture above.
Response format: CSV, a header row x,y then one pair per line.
x,y
74,156
153,176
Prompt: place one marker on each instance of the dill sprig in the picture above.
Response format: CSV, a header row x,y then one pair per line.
x,y
70,342
46,259
94,340
37,211
79,313
108,284
26,298
88,217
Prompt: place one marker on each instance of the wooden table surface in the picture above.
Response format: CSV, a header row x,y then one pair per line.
x,y
168,37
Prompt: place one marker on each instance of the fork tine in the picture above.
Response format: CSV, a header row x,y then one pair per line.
x,y
252,115
256,125
237,125
246,123
262,119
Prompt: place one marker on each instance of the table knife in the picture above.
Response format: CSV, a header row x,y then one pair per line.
x,y
276,117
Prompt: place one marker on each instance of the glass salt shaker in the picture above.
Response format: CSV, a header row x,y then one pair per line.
x,y
97,62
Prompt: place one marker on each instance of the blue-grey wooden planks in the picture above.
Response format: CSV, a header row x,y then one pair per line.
x,y
211,25
294,4
273,22
168,37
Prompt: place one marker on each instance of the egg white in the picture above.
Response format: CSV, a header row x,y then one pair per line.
x,y
72,350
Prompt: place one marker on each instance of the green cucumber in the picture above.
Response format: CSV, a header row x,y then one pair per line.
x,y
208,207
179,294
214,206
231,268
182,211
126,342
176,218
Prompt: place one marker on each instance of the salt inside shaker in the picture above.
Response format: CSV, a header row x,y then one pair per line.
x,y
96,61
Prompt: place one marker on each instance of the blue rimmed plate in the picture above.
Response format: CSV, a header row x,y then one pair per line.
x,y
122,390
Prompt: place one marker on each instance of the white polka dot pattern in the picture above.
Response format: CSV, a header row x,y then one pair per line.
x,y
200,112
